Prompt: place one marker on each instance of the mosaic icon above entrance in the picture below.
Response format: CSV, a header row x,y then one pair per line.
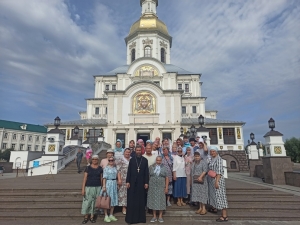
x,y
144,103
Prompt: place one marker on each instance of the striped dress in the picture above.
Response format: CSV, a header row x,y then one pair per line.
x,y
217,197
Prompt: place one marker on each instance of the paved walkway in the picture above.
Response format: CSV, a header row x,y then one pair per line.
x,y
244,177
187,222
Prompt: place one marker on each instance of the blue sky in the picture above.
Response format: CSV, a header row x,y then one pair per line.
x,y
247,52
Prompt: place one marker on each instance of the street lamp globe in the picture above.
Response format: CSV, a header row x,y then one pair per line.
x,y
271,123
181,129
76,130
252,137
193,129
188,134
201,120
57,122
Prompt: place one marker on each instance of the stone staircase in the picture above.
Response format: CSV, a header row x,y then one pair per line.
x,y
71,168
60,199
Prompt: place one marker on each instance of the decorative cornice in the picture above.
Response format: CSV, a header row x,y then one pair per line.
x,y
147,41
163,44
132,45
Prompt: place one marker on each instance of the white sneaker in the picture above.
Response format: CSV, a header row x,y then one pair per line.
x,y
169,203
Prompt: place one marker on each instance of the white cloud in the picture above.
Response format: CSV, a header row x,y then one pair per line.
x,y
247,51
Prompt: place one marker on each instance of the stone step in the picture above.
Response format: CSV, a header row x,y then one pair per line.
x,y
170,215
15,206
77,193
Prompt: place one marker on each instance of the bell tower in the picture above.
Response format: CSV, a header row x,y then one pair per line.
x,y
149,37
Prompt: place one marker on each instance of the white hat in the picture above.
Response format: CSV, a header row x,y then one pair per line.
x,y
201,140
95,157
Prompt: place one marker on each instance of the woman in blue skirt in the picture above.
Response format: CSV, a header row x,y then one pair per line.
x,y
179,177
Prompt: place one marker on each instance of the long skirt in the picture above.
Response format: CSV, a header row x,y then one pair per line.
x,y
180,188
89,200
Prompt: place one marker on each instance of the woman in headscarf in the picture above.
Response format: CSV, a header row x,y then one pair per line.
x,y
199,191
132,148
142,144
179,176
88,154
91,186
122,167
118,149
216,185
188,158
158,187
174,149
167,161
110,175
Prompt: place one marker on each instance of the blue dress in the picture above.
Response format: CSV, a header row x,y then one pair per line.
x,y
110,174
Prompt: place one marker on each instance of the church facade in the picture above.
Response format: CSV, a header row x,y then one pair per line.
x,y
149,97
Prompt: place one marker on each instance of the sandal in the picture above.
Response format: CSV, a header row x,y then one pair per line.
x,y
222,219
93,220
213,210
85,220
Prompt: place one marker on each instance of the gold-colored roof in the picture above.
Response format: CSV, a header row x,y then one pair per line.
x,y
149,23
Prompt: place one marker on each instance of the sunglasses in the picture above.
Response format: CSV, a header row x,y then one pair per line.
x,y
94,159
179,151
111,160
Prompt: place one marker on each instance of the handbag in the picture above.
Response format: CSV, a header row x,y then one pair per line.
x,y
196,181
212,173
103,201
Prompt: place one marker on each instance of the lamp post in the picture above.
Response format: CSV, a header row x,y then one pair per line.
x,y
252,137
181,133
188,134
88,136
94,134
271,124
76,130
201,120
57,122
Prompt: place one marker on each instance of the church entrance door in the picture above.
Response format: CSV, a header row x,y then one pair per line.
x,y
143,136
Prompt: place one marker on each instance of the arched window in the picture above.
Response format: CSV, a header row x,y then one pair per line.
x,y
132,55
163,55
232,165
147,51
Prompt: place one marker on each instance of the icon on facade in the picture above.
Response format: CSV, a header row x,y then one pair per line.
x,y
144,103
51,148
277,150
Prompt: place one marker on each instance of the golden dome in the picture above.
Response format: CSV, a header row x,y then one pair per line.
x,y
149,23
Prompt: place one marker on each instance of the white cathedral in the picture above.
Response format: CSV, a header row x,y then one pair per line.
x,y
150,97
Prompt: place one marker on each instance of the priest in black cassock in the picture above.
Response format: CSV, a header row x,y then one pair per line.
x,y
137,181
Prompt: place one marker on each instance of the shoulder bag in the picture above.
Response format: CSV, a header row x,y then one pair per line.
x,y
212,173
103,201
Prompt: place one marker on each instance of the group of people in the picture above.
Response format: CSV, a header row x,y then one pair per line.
x,y
148,175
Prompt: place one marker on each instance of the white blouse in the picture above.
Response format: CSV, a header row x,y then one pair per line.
x,y
179,166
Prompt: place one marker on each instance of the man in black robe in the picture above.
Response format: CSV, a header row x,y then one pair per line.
x,y
137,182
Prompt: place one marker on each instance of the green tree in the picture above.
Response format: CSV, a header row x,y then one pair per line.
x,y
292,147
5,154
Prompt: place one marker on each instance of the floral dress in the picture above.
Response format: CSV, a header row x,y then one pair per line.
x,y
122,167
156,193
199,191
217,197
169,168
110,174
